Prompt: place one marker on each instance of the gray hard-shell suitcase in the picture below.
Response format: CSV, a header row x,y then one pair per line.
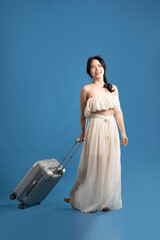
x,y
40,180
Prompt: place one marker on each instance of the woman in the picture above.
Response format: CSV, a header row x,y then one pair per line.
x,y
98,183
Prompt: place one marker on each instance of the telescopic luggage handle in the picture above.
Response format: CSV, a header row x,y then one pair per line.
x,y
59,171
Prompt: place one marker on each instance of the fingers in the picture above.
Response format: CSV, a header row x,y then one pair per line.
x,y
81,138
124,141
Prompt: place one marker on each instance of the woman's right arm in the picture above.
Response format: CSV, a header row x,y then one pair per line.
x,y
83,119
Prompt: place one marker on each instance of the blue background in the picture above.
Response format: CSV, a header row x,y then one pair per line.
x,y
44,47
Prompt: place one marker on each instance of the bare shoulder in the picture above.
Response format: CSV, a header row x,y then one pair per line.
x,y
83,98
87,86
85,89
115,90
114,87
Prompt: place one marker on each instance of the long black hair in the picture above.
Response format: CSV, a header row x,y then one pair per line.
x,y
106,85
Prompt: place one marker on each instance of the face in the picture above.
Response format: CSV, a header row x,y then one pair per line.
x,y
96,70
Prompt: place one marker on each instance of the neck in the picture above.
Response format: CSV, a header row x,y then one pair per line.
x,y
98,82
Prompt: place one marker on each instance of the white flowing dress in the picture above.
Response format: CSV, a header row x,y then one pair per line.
x,y
98,181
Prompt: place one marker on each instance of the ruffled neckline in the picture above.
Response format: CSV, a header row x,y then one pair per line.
x,y
101,101
104,93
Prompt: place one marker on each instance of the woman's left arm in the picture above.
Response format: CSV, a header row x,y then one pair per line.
x,y
120,122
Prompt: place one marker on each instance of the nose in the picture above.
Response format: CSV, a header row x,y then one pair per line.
x,y
97,68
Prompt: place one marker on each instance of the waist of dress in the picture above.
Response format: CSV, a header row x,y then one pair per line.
x,y
96,115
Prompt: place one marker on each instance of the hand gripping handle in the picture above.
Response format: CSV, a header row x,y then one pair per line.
x,y
59,171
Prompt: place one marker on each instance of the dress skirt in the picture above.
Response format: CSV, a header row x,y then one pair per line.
x,y
98,181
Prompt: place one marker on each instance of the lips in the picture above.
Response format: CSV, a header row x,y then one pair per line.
x,y
97,73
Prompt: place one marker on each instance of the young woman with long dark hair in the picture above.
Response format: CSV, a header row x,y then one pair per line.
x,y
97,186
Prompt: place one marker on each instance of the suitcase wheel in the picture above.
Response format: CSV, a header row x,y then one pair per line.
x,y
12,196
21,206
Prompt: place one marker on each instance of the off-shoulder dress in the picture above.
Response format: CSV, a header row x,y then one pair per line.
x,y
98,181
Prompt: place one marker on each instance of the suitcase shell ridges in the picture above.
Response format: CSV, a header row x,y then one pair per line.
x,y
42,189
26,181
38,182
25,189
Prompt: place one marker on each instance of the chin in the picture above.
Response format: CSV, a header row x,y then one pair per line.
x,y
98,76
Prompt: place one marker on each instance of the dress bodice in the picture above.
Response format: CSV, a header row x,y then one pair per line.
x,y
102,101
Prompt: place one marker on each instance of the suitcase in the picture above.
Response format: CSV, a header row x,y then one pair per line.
x,y
40,180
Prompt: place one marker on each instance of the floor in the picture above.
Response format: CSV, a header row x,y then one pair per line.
x,y
54,218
